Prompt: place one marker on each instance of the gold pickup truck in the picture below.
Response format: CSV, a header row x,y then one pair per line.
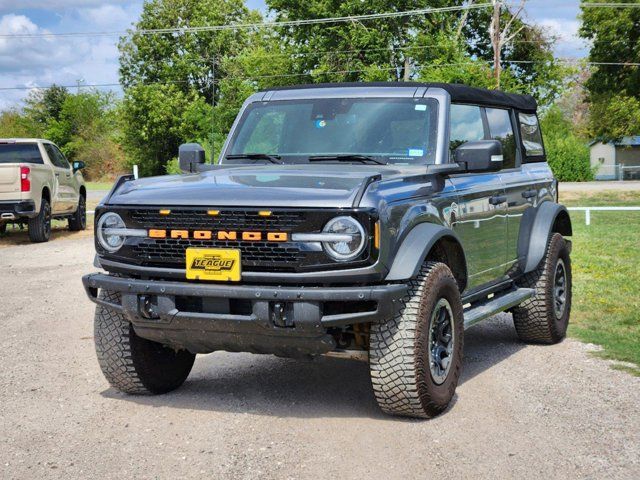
x,y
37,184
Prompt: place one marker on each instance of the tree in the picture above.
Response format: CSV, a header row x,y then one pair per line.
x,y
187,59
156,119
613,89
44,105
614,34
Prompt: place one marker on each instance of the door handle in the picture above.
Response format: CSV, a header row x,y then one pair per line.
x,y
57,174
497,199
530,193
68,175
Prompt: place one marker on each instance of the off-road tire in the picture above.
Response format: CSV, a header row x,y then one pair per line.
x,y
40,225
78,221
398,352
133,364
535,319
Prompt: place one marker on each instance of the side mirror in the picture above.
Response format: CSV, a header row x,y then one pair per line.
x,y
190,156
480,156
78,166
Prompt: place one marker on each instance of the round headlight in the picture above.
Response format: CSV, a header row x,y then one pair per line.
x,y
344,250
109,240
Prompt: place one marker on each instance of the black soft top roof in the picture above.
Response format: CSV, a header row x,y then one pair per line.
x,y
459,93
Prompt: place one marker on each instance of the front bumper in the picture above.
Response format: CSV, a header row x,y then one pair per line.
x,y
263,319
15,209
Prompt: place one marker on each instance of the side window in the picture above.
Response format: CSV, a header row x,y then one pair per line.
x,y
466,125
56,156
531,134
61,158
500,128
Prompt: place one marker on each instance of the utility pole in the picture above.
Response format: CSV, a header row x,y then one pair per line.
x,y
494,31
500,37
213,104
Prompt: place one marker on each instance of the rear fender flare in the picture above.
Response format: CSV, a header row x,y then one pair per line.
x,y
534,235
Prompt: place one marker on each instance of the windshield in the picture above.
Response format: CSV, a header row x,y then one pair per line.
x,y
390,130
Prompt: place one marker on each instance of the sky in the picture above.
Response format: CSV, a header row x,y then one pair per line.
x,y
40,62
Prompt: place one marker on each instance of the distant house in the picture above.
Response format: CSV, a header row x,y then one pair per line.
x,y
617,160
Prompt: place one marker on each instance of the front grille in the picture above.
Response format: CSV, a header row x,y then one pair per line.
x,y
224,220
255,255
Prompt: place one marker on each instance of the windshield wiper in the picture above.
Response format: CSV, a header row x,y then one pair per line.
x,y
346,157
254,156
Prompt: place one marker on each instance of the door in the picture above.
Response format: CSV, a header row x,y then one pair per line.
x,y
66,196
481,213
519,188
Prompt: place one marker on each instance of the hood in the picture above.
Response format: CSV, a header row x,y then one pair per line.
x,y
326,185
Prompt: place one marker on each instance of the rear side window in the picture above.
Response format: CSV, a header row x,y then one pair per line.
x,y
20,153
500,128
531,134
466,125
56,156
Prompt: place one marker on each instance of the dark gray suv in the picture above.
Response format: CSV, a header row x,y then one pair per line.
x,y
363,220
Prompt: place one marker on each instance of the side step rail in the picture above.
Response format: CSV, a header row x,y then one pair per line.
x,y
497,304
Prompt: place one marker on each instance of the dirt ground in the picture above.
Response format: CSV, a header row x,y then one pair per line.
x,y
520,411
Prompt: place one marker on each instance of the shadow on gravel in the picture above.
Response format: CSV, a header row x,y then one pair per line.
x,y
323,387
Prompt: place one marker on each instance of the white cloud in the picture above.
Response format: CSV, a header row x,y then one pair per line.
x,y
569,44
41,61
57,5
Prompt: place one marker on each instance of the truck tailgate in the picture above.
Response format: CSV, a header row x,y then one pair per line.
x,y
9,178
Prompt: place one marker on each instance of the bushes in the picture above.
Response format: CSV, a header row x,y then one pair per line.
x,y
568,157
567,153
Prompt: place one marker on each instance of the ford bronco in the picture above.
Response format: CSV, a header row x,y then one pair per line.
x,y
371,220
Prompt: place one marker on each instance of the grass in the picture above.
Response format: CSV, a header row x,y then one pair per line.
x,y
606,277
99,185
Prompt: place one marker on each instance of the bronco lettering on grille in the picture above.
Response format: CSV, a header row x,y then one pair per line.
x,y
220,235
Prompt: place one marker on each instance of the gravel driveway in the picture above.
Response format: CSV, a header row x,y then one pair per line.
x,y
520,411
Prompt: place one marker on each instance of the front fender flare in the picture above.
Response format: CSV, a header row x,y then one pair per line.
x,y
539,231
415,247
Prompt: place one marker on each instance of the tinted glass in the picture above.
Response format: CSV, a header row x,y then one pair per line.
x,y
20,153
531,135
398,131
466,125
56,156
500,128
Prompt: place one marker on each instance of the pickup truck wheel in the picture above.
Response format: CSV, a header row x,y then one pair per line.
x,y
133,364
79,219
415,358
544,317
40,225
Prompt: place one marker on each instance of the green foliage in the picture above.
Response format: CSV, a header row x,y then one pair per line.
x,y
156,119
615,117
567,154
44,105
13,124
613,34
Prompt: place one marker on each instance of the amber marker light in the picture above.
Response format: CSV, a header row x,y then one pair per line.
x,y
264,213
376,236
213,213
165,212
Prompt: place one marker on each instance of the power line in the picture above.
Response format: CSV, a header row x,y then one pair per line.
x,y
241,26
336,72
611,5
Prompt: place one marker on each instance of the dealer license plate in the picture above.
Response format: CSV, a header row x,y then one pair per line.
x,y
219,264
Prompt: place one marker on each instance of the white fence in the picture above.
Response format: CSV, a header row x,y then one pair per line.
x,y
587,211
